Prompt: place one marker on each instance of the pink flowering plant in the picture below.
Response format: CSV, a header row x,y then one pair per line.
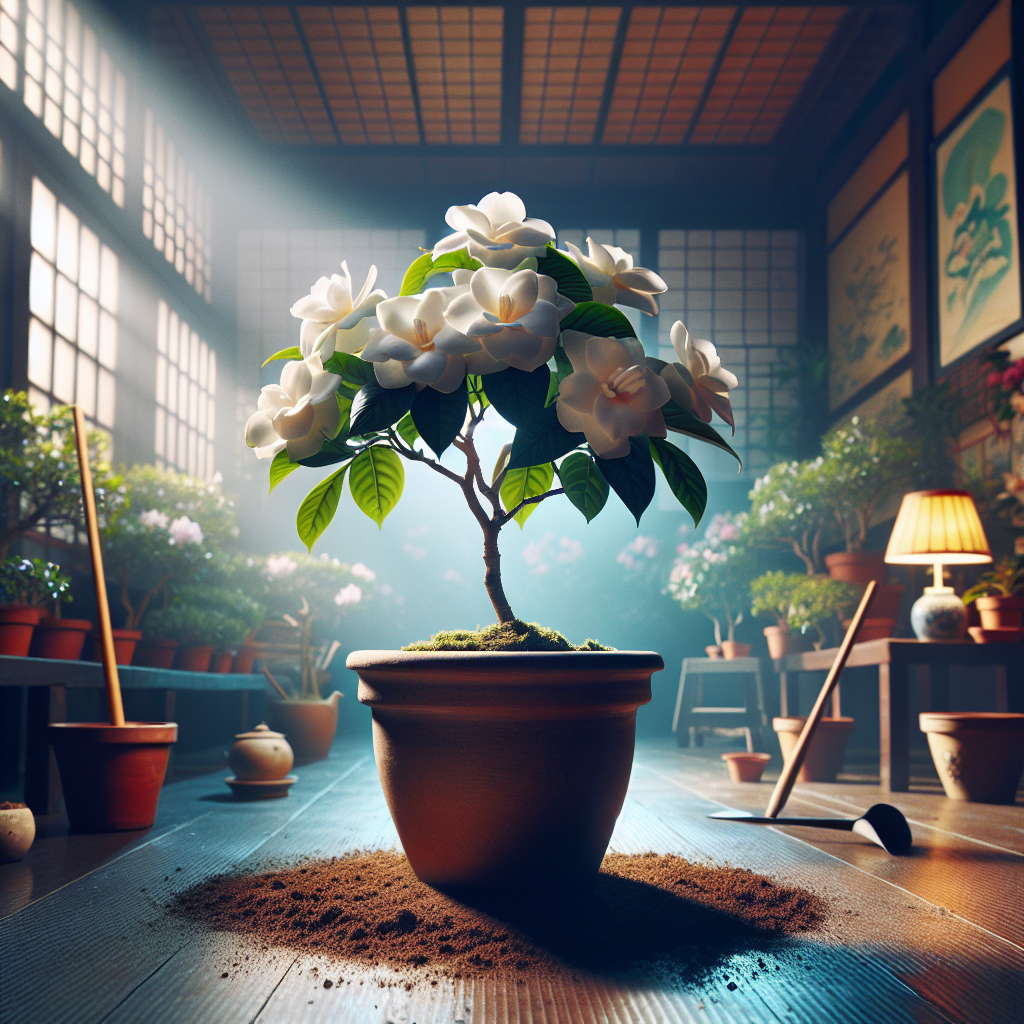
x,y
712,575
523,331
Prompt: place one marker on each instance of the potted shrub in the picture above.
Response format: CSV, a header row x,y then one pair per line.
x,y
518,334
999,595
28,586
773,595
710,577
55,636
820,606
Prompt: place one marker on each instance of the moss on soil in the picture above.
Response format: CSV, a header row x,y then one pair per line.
x,y
504,636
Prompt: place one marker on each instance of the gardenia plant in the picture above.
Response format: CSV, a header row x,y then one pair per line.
x,y
523,330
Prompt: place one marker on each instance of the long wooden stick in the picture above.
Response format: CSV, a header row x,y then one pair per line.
x,y
277,685
115,709
789,772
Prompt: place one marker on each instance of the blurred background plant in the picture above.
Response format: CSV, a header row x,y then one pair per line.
x,y
1005,580
34,583
205,617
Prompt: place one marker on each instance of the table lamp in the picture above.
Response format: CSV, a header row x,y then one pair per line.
x,y
938,528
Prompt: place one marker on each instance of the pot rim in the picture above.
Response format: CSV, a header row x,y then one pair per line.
x,y
743,755
104,732
79,625
843,722
1011,602
970,721
845,557
382,660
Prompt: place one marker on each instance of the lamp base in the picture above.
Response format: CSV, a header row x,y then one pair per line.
x,y
938,614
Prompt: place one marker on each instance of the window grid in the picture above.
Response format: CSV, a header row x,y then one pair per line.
x,y
10,11
72,85
73,298
186,385
176,212
740,290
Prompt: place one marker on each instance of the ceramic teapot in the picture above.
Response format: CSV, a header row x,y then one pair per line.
x,y
261,755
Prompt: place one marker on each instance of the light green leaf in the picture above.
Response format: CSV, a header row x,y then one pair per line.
x,y
376,480
281,467
286,353
407,429
502,461
520,484
583,484
477,395
318,507
423,269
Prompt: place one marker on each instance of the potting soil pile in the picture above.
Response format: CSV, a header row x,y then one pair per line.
x,y
643,912
11,805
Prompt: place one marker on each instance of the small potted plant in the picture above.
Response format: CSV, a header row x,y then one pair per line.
x,y
822,604
520,333
709,577
30,587
773,595
999,595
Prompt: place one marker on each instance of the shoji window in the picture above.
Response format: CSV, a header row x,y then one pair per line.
x,y
186,384
176,210
73,296
72,84
9,12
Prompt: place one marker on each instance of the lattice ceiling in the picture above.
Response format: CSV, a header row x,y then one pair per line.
x,y
583,75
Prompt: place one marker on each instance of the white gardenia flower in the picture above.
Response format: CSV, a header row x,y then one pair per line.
x,y
154,518
513,315
330,304
611,396
352,594
496,231
613,279
280,565
300,413
184,531
416,344
699,381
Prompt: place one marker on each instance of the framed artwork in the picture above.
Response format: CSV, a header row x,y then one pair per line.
x,y
869,294
978,274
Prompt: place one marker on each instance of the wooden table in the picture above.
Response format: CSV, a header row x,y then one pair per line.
x,y
48,681
934,938
894,657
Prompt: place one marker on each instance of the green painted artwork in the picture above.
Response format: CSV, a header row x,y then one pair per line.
x,y
978,272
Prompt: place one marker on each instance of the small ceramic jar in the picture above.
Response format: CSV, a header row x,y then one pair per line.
x,y
260,755
17,831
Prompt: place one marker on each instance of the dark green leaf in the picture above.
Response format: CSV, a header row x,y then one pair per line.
x,y
542,440
407,429
599,320
632,477
285,353
518,395
683,477
682,421
569,278
583,484
352,369
318,508
423,269
377,408
438,417
281,467
520,484
376,480
563,367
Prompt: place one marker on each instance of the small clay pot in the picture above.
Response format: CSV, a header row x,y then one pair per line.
x,y
714,652
112,774
124,645
309,725
731,649
745,767
828,748
156,653
16,626
260,755
781,643
1000,612
222,661
245,656
60,638
856,566
979,755
195,658
17,833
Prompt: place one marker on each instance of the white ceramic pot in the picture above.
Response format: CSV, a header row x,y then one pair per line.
x,y
17,833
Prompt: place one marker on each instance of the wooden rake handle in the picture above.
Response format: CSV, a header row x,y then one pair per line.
x,y
789,772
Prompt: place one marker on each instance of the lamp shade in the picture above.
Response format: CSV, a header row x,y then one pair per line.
x,y
938,526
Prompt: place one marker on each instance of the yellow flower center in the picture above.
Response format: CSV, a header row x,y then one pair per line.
x,y
422,338
506,307
623,383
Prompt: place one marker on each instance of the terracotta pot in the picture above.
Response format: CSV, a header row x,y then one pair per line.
x,y
308,725
16,626
124,645
825,757
260,755
504,769
17,833
60,638
781,643
195,658
731,649
222,661
1000,612
246,655
156,653
872,629
714,652
979,755
744,767
112,775
857,566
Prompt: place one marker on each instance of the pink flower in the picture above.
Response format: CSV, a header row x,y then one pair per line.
x,y
348,595
362,572
280,565
994,379
184,531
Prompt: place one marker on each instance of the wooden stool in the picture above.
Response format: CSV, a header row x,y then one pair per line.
x,y
691,714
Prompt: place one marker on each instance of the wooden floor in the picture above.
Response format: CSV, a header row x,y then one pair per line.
x,y
936,936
